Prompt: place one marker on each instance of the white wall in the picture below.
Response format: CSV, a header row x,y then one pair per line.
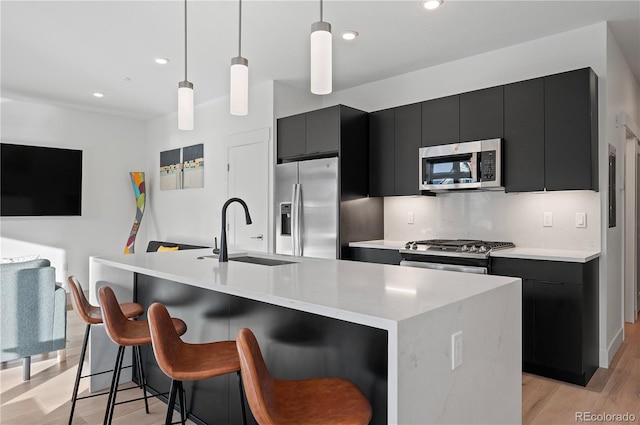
x,y
623,95
112,147
194,215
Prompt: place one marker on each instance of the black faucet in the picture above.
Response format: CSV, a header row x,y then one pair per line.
x,y
223,256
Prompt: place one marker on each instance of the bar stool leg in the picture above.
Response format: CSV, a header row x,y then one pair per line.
x,y
183,404
74,396
244,413
111,402
143,378
171,402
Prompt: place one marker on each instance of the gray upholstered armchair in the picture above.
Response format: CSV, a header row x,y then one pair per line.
x,y
33,312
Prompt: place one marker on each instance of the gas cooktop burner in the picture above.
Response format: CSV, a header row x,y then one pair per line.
x,y
456,246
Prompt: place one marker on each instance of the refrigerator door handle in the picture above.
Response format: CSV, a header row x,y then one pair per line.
x,y
296,231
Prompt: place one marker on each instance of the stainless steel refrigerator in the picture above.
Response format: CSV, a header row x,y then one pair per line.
x,y
307,204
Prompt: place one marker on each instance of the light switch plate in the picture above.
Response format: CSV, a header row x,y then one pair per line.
x,y
410,217
581,220
547,220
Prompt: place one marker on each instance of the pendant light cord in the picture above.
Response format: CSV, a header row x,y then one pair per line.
x,y
320,10
185,40
240,29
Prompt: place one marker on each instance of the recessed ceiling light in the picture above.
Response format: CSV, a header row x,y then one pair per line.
x,y
98,94
161,61
350,35
432,4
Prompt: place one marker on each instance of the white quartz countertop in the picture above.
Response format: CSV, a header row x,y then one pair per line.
x,y
375,295
568,255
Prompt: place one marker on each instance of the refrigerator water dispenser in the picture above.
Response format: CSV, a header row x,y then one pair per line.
x,y
285,218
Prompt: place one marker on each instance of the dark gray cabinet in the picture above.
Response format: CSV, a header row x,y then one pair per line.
x,y
375,255
381,153
292,134
441,121
524,141
559,316
571,130
551,133
323,130
312,134
481,114
407,130
394,141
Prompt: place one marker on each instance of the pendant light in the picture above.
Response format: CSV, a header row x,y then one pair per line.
x,y
239,94
185,89
321,56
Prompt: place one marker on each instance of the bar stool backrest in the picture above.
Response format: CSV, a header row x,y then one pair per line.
x,y
80,303
165,340
258,382
115,321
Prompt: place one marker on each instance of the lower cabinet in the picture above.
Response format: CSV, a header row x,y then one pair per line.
x,y
374,255
559,316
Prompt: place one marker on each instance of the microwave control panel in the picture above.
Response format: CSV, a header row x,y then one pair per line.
x,y
487,166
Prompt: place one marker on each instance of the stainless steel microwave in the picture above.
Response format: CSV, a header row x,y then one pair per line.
x,y
468,165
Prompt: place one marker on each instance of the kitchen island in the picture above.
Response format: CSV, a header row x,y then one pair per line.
x,y
387,328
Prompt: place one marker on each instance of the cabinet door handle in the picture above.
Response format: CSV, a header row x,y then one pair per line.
x,y
257,237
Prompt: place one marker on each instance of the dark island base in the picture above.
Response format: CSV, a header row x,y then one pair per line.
x,y
295,345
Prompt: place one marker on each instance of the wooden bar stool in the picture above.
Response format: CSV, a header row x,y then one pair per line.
x,y
330,401
91,315
126,333
181,361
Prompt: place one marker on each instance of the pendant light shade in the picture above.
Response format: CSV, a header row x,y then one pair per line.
x,y
185,105
321,56
239,92
185,89
239,104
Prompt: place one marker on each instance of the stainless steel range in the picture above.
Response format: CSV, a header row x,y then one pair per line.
x,y
463,255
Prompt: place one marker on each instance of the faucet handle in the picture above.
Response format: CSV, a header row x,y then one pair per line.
x,y
215,246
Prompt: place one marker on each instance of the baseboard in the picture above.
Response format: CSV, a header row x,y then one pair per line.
x,y
606,356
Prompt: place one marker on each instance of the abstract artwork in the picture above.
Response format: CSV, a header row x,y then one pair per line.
x,y
137,181
170,170
193,166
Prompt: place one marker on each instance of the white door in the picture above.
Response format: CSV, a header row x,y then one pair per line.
x,y
248,179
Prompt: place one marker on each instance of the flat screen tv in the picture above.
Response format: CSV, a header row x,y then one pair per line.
x,y
40,181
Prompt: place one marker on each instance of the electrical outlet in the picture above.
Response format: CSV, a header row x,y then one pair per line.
x,y
410,217
456,350
581,220
547,219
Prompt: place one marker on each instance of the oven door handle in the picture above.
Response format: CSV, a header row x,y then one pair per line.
x,y
447,267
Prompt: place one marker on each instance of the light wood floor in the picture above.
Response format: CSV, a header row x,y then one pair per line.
x,y
45,398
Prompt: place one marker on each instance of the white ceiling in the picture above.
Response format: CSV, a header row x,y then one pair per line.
x,y
63,51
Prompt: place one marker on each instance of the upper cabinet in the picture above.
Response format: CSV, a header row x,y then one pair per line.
x,y
523,147
334,131
441,121
571,130
382,153
408,130
551,133
394,142
323,130
481,114
292,135
312,134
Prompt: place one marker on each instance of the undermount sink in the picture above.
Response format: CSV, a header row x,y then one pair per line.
x,y
261,261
